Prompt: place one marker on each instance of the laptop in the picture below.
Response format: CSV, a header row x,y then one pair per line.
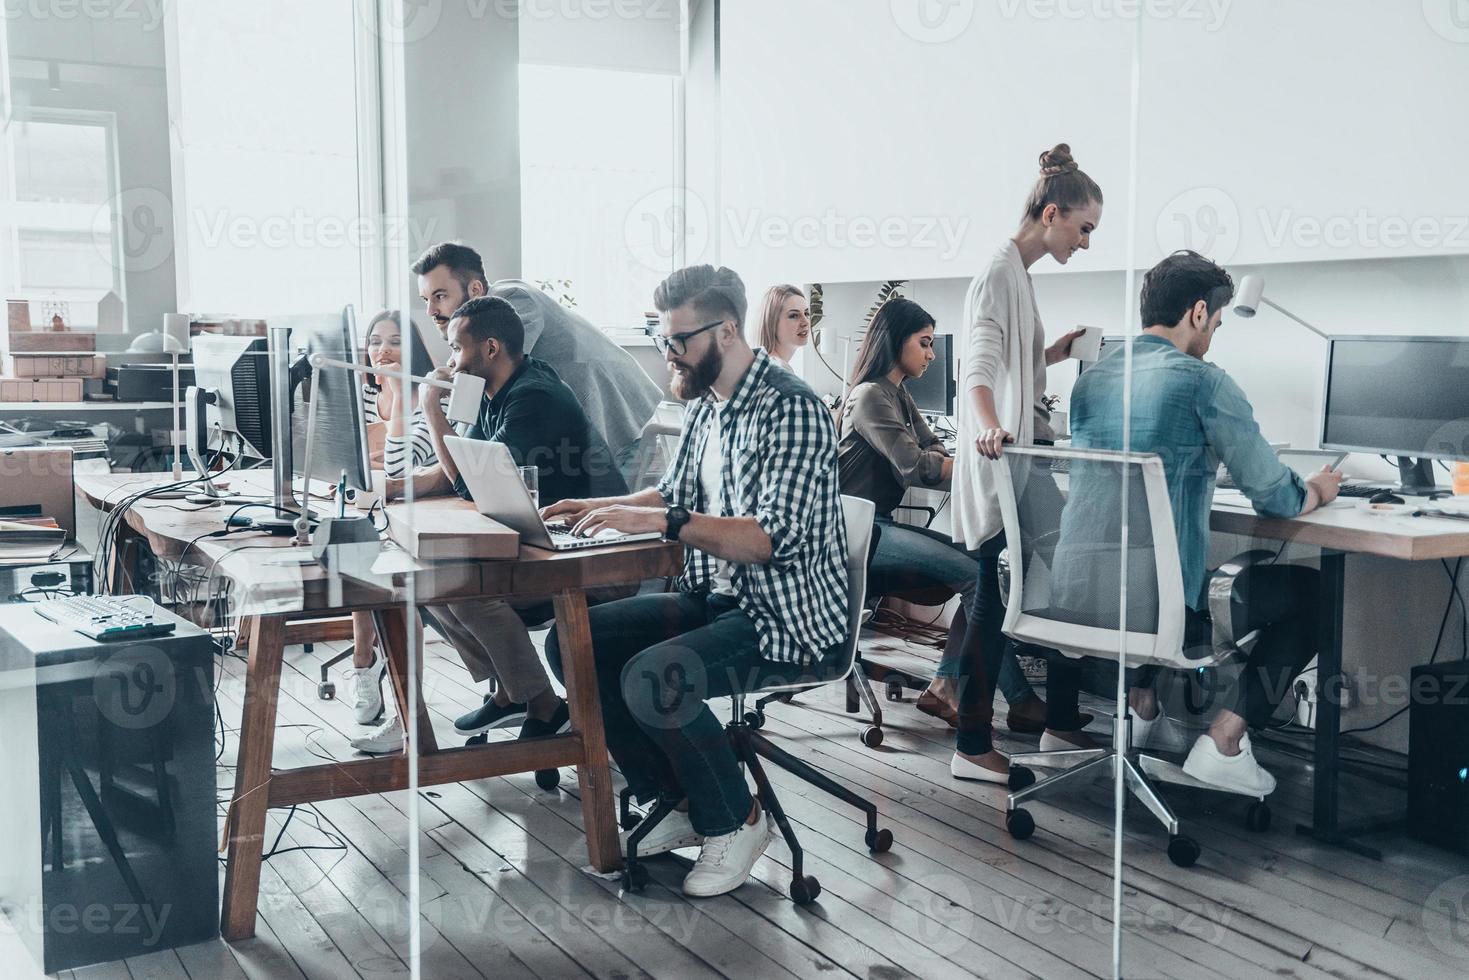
x,y
494,483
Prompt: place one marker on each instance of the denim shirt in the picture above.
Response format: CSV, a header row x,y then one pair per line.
x,y
1194,416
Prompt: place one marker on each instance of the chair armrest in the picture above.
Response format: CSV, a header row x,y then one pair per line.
x,y
1221,598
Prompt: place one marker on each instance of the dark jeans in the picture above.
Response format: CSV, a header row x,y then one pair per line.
x,y
909,557
1279,600
986,647
659,658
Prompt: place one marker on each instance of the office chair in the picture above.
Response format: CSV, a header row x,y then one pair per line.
x,y
1066,590
750,745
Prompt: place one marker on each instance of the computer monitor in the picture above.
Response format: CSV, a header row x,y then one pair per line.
x,y
237,372
1109,344
339,444
1399,396
933,393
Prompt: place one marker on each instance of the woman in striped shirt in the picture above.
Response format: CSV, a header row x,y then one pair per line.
x,y
382,396
406,446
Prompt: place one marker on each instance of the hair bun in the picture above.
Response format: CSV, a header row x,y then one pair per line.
x,y
1057,160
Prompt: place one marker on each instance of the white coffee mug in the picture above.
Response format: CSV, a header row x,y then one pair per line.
x,y
1087,347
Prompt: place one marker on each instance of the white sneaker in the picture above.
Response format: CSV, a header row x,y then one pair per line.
x,y
725,861
1162,734
385,738
962,768
1235,773
673,831
366,686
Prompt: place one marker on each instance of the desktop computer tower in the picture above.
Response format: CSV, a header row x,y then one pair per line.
x,y
1438,755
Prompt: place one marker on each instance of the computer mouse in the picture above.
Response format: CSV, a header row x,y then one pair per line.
x,y
1385,497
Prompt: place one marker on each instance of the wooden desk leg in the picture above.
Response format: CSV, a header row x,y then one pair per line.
x,y
573,628
252,780
392,629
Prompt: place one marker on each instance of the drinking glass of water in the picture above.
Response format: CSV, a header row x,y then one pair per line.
x,y
531,477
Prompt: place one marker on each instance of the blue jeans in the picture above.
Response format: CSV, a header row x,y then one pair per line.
x,y
659,658
909,557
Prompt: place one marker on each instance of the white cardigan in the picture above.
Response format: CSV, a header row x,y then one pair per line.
x,y
1001,328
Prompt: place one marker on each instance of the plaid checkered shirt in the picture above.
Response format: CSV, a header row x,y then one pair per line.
x,y
780,459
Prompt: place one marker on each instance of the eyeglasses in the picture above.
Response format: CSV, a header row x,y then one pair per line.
x,y
679,342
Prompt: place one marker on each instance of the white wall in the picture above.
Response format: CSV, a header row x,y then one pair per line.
x,y
632,35
885,146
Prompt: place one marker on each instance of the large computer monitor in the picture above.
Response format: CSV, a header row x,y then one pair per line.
x,y
236,373
1399,396
339,445
933,393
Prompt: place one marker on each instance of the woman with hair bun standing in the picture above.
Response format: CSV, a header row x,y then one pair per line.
x,y
1001,401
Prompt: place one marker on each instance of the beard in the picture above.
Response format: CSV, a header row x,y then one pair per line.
x,y
696,381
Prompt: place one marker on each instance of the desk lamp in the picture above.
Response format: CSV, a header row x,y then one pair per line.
x,y
1252,294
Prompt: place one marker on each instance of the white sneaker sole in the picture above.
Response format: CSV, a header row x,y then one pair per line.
x,y
691,839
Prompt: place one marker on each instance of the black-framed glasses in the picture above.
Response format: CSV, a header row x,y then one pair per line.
x,y
679,342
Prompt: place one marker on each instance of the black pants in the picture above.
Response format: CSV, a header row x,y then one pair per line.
x,y
1281,601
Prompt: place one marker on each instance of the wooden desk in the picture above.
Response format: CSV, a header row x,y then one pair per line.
x,y
1341,529
170,530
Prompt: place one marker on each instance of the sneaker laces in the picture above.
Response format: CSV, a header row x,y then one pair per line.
x,y
716,849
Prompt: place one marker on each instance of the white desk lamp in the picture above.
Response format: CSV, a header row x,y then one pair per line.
x,y
1252,294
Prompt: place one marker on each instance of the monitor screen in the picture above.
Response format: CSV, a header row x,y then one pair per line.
x,y
933,393
1401,396
1108,345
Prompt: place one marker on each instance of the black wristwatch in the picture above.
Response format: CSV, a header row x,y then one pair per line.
x,y
676,517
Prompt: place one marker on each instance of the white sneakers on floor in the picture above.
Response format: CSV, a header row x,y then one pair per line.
x,y
1236,773
382,740
673,832
365,691
725,862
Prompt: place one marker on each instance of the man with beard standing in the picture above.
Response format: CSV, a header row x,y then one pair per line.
x,y
752,494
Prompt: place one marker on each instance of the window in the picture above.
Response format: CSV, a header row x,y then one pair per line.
x,y
597,166
58,174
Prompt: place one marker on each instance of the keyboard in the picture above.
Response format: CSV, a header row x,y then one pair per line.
x,y
104,617
1362,489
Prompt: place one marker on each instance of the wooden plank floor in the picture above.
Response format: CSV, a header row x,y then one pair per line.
x,y
503,895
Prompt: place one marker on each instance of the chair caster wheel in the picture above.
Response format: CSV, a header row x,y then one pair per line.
x,y
635,878
805,890
480,739
1020,777
1020,824
548,779
880,842
326,691
755,719
1183,851
895,690
872,736
1257,817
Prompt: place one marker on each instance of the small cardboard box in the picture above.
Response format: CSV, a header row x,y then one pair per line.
x,y
438,528
50,342
56,366
46,390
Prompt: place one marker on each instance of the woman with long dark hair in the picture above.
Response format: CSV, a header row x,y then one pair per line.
x,y
887,447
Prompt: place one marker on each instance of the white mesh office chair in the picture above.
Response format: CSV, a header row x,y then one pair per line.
x,y
751,745
1069,579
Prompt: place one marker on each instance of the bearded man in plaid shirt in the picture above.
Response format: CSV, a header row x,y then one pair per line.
x,y
752,494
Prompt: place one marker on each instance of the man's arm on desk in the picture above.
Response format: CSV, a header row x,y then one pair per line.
x,y
1272,487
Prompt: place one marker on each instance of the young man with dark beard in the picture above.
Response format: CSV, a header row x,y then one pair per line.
x,y
752,494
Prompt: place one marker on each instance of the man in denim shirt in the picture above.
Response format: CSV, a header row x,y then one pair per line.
x,y
1195,416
